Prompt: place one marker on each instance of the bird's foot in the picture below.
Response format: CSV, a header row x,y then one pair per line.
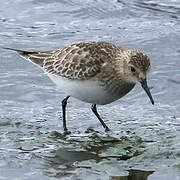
x,y
66,132
107,129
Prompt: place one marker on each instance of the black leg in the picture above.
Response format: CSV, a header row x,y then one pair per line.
x,y
93,107
64,103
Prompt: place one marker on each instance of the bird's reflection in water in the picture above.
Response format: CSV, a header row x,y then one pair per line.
x,y
60,164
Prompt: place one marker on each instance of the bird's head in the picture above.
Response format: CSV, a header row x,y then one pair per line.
x,y
135,67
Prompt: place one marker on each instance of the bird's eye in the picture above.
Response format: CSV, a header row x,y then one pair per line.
x,y
133,69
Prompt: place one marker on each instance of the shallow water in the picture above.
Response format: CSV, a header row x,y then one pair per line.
x,y
144,141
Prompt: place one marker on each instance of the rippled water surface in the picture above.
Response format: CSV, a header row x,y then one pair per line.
x,y
144,141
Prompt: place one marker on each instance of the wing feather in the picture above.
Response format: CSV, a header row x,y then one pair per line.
x,y
77,61
80,61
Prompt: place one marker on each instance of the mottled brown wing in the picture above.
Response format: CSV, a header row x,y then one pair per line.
x,y
77,61
80,61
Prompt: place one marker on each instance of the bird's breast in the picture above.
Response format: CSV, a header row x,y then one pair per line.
x,y
87,90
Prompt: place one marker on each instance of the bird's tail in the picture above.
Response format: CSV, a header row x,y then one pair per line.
x,y
36,58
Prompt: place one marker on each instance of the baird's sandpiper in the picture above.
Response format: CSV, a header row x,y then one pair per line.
x,y
94,72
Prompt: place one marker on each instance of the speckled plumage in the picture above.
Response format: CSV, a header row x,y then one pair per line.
x,y
77,61
94,72
90,60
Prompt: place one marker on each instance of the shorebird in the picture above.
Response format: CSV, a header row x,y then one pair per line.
x,y
93,72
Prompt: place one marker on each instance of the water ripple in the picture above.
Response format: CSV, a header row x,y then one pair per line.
x,y
142,136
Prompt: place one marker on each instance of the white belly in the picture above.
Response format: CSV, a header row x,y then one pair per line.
x,y
84,90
